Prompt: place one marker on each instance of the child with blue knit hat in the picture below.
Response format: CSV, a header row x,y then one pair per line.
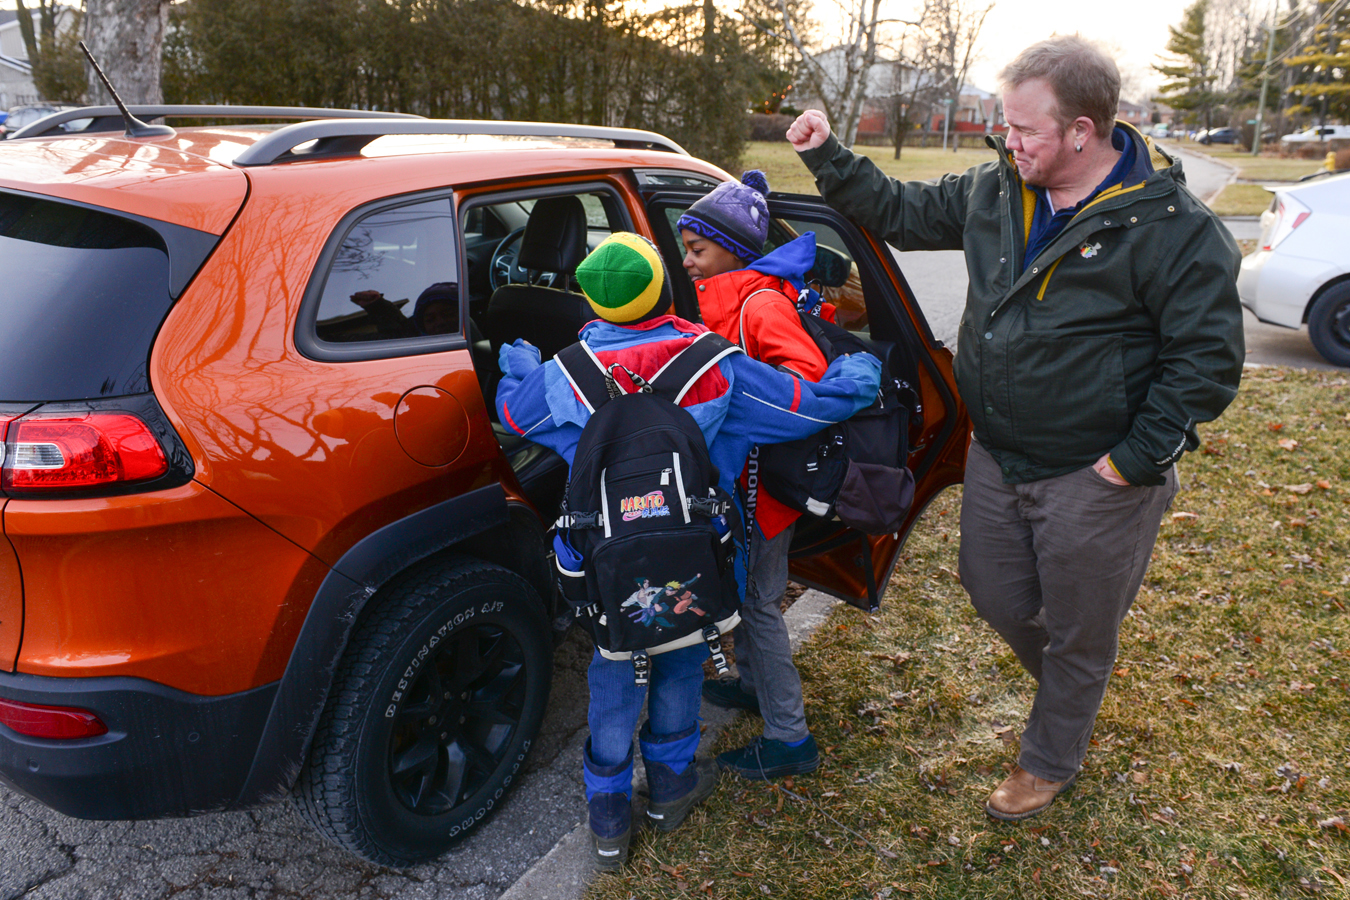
x,y
736,403
750,297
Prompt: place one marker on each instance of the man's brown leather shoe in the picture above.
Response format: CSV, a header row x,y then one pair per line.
x,y
1023,795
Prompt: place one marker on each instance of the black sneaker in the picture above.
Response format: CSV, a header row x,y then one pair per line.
x,y
763,759
728,694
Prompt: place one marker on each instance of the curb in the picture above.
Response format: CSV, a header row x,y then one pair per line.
x,y
564,873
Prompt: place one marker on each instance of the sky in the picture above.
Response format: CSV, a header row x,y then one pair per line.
x,y
1135,32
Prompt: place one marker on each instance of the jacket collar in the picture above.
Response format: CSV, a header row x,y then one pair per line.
x,y
720,298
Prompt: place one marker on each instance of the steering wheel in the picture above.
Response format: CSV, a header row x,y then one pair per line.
x,y
505,268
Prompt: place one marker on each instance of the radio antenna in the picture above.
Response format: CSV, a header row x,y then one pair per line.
x,y
135,127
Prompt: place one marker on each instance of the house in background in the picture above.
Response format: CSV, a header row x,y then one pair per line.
x,y
1137,114
16,72
16,75
887,80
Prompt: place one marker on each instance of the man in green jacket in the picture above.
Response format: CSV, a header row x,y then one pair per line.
x,y
1101,325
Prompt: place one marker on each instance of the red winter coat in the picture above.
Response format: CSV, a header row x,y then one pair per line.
x,y
773,334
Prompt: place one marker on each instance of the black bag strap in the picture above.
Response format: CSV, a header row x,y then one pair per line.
x,y
685,368
583,369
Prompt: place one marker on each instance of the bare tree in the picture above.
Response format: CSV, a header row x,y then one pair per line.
x,y
949,37
127,37
840,76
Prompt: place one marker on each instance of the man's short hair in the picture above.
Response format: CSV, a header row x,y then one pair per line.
x,y
1085,80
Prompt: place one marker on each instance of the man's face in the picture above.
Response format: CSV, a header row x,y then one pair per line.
x,y
1044,151
704,258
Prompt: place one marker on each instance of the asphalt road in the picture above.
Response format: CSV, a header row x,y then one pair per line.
x,y
271,853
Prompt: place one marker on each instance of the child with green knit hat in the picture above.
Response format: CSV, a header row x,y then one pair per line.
x,y
736,403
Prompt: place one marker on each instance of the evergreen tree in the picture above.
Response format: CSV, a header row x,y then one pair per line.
x,y
53,50
1324,88
1190,84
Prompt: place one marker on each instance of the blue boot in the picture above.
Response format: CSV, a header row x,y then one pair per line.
x,y
609,799
675,780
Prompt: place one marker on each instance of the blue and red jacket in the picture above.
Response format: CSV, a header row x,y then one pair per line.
x,y
737,404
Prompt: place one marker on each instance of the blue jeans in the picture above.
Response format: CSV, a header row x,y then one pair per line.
x,y
616,702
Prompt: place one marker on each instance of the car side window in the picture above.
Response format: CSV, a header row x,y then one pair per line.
x,y
395,275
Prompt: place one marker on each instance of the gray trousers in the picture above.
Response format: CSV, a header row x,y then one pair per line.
x,y
763,650
1053,566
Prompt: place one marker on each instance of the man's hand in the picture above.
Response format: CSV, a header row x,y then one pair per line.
x,y
364,299
809,131
1104,468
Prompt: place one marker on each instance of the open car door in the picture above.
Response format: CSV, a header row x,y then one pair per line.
x,y
859,275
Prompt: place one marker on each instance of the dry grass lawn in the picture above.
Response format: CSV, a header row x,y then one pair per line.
x,y
1220,764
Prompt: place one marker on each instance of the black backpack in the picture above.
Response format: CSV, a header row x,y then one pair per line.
x,y
647,541
855,471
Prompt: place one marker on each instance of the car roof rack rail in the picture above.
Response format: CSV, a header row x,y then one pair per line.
x,y
109,118
346,138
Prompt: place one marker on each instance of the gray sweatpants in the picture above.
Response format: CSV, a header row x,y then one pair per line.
x,y
1053,566
763,650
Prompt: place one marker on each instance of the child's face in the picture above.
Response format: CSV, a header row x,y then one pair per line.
x,y
704,258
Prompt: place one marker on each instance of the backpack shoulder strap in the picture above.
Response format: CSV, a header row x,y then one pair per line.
x,y
586,374
740,329
685,368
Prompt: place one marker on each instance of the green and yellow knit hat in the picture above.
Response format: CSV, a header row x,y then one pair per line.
x,y
624,280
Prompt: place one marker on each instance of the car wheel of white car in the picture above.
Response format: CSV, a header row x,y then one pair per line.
x,y
1329,324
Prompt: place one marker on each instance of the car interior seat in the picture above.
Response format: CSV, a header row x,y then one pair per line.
x,y
554,241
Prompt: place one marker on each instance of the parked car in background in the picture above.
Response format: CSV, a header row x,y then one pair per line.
x,y
1220,136
1318,134
1161,131
261,534
23,116
1300,272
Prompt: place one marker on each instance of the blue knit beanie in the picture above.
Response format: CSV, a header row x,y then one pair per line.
x,y
734,216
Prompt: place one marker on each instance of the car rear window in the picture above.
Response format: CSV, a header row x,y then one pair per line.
x,y
84,293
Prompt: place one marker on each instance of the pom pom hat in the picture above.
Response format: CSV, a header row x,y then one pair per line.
x,y
734,216
624,280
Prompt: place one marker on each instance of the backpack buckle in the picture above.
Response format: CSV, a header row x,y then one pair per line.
x,y
713,638
580,520
707,506
642,667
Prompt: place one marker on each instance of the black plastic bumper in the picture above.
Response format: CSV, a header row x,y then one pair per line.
x,y
167,753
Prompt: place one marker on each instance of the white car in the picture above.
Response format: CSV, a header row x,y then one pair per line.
x,y
1324,133
1301,269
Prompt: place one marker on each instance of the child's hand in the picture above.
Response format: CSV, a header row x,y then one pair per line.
x,y
809,131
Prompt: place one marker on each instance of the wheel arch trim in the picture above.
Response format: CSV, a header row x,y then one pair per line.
x,y
343,595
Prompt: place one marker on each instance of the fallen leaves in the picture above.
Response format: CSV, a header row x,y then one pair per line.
x,y
1288,444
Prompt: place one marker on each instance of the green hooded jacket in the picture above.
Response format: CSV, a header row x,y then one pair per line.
x,y
1122,335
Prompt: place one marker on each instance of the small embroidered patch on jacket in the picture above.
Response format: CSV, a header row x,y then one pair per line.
x,y
1089,250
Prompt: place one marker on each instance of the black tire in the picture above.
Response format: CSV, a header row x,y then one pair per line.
x,y
465,644
1329,324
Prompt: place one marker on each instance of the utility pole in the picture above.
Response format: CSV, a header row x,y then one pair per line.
x,y
1265,82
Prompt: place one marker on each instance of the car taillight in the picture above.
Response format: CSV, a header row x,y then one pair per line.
x,y
72,452
1289,214
52,722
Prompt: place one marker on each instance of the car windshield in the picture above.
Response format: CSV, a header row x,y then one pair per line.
x,y
85,292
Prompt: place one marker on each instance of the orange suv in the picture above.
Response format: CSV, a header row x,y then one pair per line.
x,y
262,536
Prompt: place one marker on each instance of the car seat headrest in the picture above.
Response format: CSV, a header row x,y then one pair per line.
x,y
555,237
